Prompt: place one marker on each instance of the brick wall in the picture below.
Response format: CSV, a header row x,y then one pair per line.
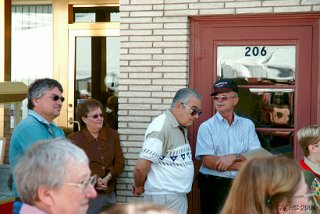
x,y
154,60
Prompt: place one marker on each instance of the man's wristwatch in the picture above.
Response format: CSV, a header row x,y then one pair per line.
x,y
237,156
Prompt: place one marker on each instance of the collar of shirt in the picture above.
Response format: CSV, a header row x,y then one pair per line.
x,y
39,117
28,209
102,135
173,121
236,118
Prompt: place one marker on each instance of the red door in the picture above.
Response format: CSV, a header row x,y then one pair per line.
x,y
275,58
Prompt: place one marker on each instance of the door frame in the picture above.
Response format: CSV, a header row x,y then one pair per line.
x,y
83,30
202,69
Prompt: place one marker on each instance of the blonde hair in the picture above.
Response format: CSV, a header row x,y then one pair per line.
x,y
308,135
262,184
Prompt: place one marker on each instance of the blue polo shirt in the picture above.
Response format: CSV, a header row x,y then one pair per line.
x,y
30,130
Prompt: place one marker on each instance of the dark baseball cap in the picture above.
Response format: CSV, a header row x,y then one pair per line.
x,y
224,85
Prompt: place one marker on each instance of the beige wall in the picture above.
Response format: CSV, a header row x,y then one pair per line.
x,y
155,59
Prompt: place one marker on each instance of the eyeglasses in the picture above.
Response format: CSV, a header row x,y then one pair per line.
x,y
308,195
223,97
56,98
193,111
96,116
84,184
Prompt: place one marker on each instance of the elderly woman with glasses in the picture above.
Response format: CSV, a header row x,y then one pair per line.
x,y
54,177
102,145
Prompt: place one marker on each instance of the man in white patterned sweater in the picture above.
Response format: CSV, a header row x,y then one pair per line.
x,y
164,171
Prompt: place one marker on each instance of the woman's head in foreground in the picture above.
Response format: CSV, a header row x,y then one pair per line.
x,y
267,185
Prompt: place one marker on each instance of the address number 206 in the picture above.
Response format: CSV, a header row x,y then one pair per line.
x,y
255,51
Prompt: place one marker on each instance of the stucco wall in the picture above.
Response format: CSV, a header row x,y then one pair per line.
x,y
154,61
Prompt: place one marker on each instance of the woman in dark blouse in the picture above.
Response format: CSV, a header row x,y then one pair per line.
x,y
102,145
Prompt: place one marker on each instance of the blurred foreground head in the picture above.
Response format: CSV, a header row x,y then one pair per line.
x,y
267,185
54,176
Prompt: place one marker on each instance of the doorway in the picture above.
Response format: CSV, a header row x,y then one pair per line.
x,y
274,60
94,72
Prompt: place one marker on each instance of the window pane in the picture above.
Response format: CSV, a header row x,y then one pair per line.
x,y
273,108
32,44
266,65
95,14
277,142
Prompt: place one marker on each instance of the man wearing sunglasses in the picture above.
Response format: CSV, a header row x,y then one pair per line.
x,y
164,170
221,141
44,104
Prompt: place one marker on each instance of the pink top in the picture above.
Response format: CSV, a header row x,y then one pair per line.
x,y
28,209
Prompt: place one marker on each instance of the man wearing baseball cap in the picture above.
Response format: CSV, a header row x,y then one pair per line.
x,y
221,141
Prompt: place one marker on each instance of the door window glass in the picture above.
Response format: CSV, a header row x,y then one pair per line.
x,y
266,81
31,45
96,14
97,73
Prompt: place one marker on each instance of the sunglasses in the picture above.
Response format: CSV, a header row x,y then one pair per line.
x,y
193,112
96,116
56,98
223,97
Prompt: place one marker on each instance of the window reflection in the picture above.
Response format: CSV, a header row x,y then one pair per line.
x,y
271,108
278,142
96,14
266,79
266,65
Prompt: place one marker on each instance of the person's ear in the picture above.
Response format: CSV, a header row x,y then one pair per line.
x,y
84,119
178,105
35,101
45,195
235,100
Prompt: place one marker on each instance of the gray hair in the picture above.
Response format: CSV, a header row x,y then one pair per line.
x,y
45,164
39,87
183,95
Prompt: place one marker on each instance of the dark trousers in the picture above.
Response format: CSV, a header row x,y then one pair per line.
x,y
213,192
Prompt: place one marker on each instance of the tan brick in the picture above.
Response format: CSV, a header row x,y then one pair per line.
x,y
136,8
146,26
206,5
243,4
145,88
166,19
147,2
144,76
175,7
292,9
254,10
181,12
280,3
144,100
136,20
146,38
218,11
303,2
146,14
169,82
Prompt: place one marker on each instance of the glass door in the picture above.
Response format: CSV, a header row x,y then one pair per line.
x,y
266,78
94,72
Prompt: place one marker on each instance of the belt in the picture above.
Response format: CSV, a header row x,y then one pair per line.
x,y
214,177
